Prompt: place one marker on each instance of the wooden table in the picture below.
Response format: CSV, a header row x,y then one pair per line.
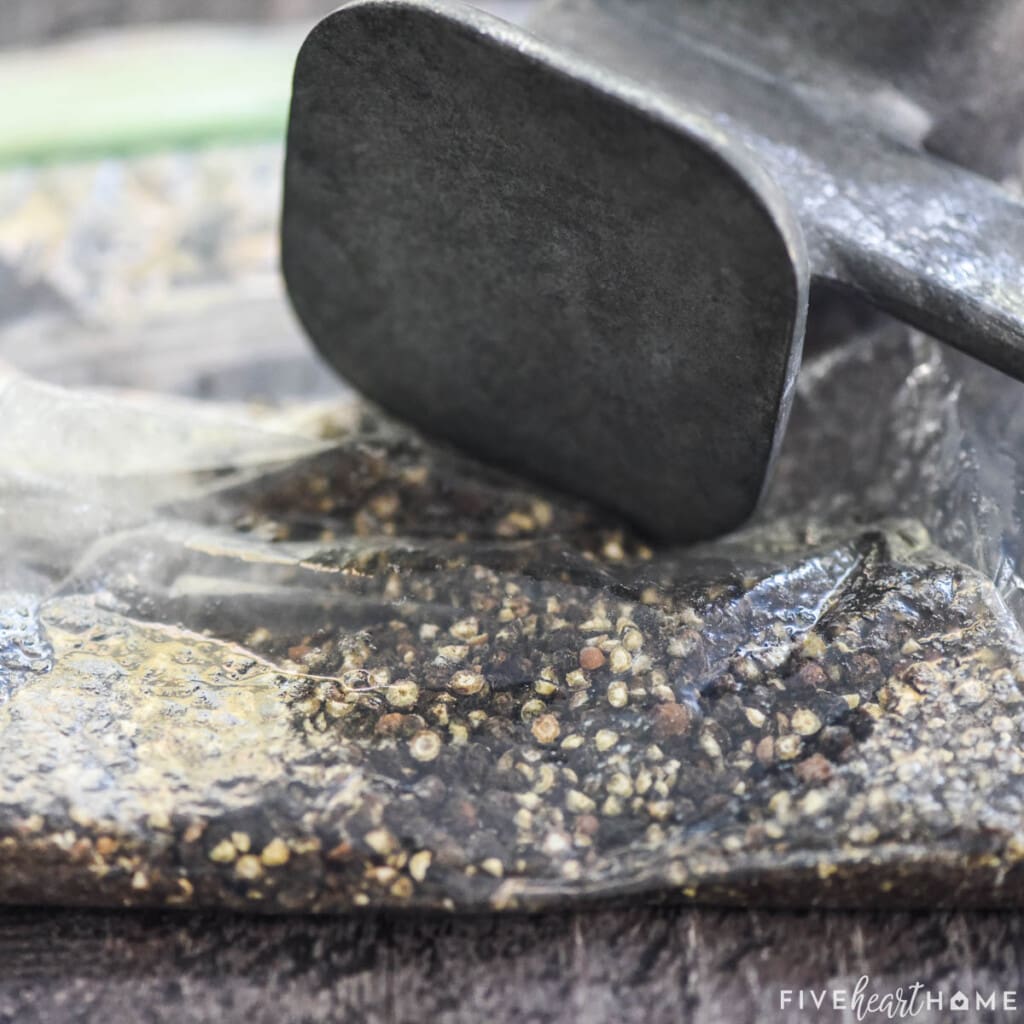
x,y
644,966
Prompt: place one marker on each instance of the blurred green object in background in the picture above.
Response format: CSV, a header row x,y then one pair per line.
x,y
142,89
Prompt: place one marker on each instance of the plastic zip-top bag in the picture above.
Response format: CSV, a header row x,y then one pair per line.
x,y
262,648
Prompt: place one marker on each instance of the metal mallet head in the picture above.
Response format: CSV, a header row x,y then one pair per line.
x,y
589,259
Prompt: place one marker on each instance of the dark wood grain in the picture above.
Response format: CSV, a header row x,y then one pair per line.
x,y
643,966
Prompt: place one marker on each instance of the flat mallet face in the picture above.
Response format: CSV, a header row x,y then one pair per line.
x,y
526,260
589,262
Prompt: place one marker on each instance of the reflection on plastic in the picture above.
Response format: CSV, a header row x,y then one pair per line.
x,y
295,658
251,660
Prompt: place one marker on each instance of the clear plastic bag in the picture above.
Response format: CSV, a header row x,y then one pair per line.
x,y
285,654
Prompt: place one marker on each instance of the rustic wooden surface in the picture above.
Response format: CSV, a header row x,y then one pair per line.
x,y
645,966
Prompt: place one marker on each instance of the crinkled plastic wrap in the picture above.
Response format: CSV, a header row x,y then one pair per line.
x,y
261,648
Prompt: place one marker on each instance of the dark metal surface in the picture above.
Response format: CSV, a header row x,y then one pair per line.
x,y
512,263
945,78
926,240
589,246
